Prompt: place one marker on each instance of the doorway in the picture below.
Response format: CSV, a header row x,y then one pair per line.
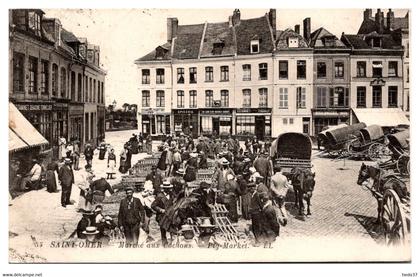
x,y
260,127
216,125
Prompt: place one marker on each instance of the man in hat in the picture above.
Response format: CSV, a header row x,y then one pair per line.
x,y
66,177
178,181
176,160
206,198
221,173
164,200
88,154
264,166
255,208
86,221
31,180
279,187
131,217
156,179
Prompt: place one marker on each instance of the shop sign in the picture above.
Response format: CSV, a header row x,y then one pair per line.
x,y
186,111
253,110
216,112
32,107
76,109
331,114
60,106
152,111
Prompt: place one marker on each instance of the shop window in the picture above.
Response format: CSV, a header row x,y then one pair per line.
x,y
224,73
321,97
283,69
193,99
145,76
246,72
180,75
393,69
392,96
321,70
63,82
263,92
193,75
262,68
33,73
361,97
246,93
180,98
284,98
207,124
160,122
145,98
225,125
224,97
301,97
377,69
339,70
160,76
209,98
160,98
18,72
245,125
377,96
301,69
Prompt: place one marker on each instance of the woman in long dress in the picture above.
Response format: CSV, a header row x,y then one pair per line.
x,y
51,177
85,201
112,161
123,158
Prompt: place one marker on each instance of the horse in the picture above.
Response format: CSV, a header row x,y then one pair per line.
x,y
303,181
382,181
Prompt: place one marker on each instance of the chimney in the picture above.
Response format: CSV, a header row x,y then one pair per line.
x,y
230,21
379,20
367,14
172,28
389,19
297,29
236,17
307,28
272,19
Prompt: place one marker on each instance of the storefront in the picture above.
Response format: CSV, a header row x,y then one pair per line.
x,y
76,122
186,121
329,117
155,122
216,121
253,122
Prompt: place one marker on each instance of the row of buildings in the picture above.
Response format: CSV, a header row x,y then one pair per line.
x,y
56,80
246,77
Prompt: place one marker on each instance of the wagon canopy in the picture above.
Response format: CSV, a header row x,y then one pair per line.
x,y
400,139
292,146
323,134
371,133
343,134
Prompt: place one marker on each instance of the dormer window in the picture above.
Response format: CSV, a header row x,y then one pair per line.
x,y
329,42
376,42
218,48
160,53
293,42
255,46
34,22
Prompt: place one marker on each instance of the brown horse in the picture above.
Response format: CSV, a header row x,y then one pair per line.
x,y
382,181
303,181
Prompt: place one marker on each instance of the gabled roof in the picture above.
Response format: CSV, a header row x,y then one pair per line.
x,y
251,29
68,36
368,26
282,37
187,42
219,33
361,41
317,39
152,55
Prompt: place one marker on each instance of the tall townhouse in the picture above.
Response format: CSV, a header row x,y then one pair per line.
x,y
398,28
47,73
331,78
376,64
293,82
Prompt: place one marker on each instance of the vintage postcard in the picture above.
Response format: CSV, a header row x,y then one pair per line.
x,y
229,135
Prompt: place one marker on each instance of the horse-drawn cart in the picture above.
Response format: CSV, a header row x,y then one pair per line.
x,y
399,161
337,140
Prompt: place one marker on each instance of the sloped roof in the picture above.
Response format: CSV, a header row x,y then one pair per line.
x,y
400,23
187,42
68,36
218,33
359,41
252,29
317,36
282,37
369,25
152,55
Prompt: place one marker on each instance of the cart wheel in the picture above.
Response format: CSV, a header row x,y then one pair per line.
x,y
394,219
403,164
379,152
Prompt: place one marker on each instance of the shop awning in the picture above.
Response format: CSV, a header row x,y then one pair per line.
x,y
387,117
22,134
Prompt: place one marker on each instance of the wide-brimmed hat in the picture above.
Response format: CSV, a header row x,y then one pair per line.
x,y
205,222
252,170
98,208
224,161
193,155
246,160
67,161
166,185
180,171
129,188
91,230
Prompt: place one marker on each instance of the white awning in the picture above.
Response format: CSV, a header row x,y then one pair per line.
x,y
21,132
378,65
387,117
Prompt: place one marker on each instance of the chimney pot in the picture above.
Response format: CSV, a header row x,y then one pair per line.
x,y
236,17
307,28
297,29
272,18
172,28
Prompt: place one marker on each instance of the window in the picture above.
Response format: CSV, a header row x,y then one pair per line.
x,y
376,96
376,42
160,124
160,76
33,73
321,70
245,125
301,97
145,76
79,89
209,98
283,69
246,93
377,69
291,121
18,72
393,69
34,22
224,97
180,98
54,80
246,72
285,121
255,46
180,75
321,97
218,48
293,42
224,73
301,69
90,89
73,86
145,98
339,97
193,99
193,75
361,69
339,70
361,97
160,98
209,74
263,71
263,92
392,96
284,98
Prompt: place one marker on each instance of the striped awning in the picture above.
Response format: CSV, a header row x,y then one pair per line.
x,y
22,134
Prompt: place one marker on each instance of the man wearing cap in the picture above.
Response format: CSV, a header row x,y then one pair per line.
x,y
156,179
33,177
130,217
164,200
66,177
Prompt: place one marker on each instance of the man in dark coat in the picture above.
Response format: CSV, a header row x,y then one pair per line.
x,y
264,167
270,228
162,160
156,179
88,154
255,208
131,217
164,200
66,177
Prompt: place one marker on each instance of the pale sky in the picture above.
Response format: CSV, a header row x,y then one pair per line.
x,y
127,34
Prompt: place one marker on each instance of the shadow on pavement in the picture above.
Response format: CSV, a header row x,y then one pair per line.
x,y
368,223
